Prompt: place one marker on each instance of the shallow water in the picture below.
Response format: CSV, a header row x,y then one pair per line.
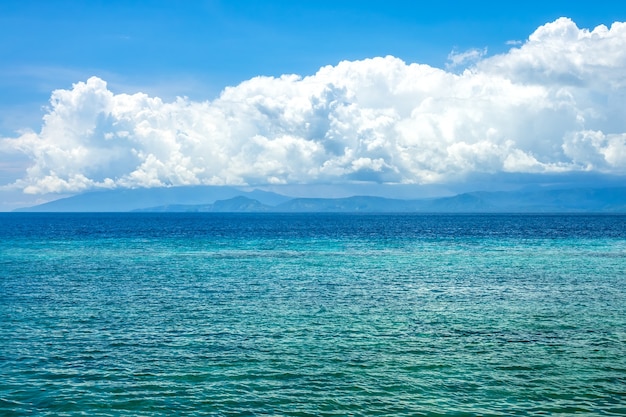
x,y
225,314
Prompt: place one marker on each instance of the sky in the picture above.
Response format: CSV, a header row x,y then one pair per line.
x,y
320,98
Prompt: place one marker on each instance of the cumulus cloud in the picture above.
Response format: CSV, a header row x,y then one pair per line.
x,y
555,103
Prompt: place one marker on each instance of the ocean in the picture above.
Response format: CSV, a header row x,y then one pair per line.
x,y
312,314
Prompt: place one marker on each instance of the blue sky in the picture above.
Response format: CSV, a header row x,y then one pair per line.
x,y
196,49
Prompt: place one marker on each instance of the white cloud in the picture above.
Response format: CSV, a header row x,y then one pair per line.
x,y
471,56
596,151
553,104
561,54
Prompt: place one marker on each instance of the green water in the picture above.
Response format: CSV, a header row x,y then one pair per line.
x,y
312,315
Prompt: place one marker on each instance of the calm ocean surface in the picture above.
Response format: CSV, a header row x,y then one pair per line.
x,y
305,315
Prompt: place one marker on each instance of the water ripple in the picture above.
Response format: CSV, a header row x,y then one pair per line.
x,y
362,315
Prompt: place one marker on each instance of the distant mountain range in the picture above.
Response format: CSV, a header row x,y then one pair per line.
x,y
230,199
125,200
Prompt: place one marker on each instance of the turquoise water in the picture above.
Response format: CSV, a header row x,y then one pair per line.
x,y
302,315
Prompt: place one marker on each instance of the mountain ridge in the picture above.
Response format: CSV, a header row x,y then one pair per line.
x,y
126,200
231,199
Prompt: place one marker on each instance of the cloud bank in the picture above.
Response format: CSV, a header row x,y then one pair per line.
x,y
555,103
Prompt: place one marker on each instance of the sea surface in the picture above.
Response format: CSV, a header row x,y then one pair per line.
x,y
312,315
